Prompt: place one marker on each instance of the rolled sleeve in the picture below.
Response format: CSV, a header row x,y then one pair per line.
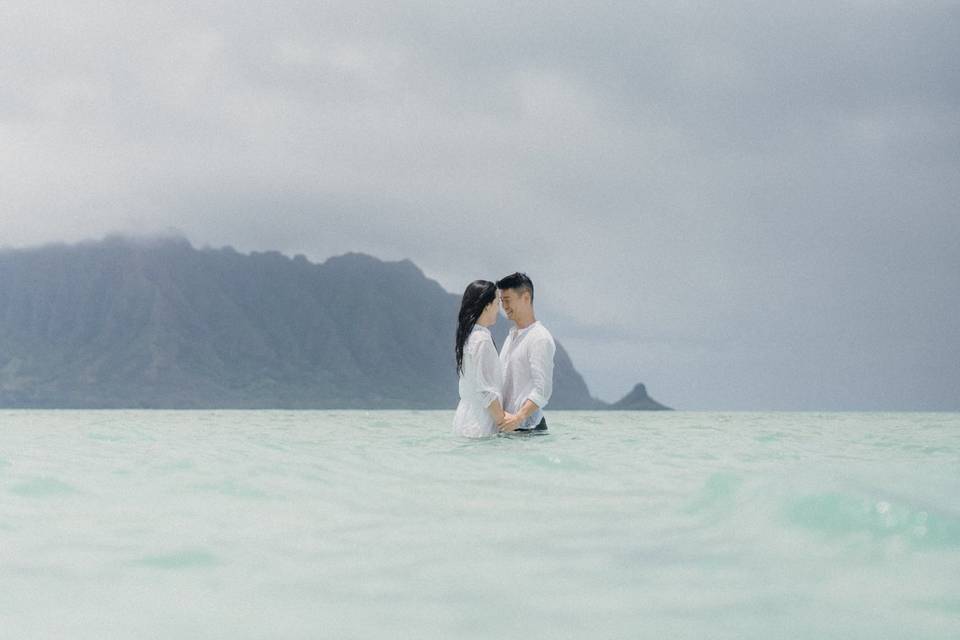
x,y
541,371
489,377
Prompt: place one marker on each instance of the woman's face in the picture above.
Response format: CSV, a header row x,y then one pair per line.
x,y
489,315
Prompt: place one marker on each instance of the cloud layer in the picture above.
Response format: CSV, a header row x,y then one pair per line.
x,y
746,207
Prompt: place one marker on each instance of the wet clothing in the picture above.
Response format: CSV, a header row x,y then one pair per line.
x,y
527,358
480,384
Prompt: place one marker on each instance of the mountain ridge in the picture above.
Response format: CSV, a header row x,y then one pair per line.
x,y
156,323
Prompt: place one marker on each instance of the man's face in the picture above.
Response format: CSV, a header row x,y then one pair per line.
x,y
511,300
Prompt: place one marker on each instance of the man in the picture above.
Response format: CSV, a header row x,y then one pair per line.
x,y
527,357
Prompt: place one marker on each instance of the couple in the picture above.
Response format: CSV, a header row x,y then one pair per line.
x,y
505,392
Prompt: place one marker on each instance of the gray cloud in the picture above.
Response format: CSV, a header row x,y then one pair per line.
x,y
745,207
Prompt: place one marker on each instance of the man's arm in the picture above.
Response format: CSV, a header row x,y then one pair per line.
x,y
541,369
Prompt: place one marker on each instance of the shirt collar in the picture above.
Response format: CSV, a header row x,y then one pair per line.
x,y
517,331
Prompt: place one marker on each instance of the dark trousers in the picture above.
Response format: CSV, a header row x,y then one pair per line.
x,y
542,426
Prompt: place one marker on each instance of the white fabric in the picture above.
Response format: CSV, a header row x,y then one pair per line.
x,y
480,384
527,358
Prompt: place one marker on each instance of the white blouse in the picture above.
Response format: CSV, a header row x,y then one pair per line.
x,y
480,384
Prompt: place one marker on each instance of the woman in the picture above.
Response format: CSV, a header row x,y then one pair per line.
x,y
478,366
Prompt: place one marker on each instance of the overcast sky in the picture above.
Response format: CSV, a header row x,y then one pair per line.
x,y
745,205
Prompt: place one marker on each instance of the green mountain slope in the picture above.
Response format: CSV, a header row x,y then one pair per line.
x,y
161,324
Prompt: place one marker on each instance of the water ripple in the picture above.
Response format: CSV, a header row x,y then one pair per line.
x,y
382,524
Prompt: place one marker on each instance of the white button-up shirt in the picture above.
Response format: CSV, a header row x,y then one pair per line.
x,y
480,384
527,358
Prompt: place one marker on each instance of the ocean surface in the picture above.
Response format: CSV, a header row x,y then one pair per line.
x,y
274,524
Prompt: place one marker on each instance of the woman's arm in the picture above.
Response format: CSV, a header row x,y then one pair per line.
x,y
505,421
489,380
496,410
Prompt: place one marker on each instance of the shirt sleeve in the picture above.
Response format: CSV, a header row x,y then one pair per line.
x,y
489,376
541,371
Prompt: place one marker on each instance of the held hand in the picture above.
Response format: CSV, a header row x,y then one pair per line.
x,y
510,422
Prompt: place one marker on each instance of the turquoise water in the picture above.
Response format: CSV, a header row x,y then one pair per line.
x,y
268,524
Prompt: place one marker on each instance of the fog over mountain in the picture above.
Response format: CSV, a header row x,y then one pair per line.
x,y
158,323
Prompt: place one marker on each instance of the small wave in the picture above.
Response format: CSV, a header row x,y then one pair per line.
x,y
43,486
839,514
183,559
719,490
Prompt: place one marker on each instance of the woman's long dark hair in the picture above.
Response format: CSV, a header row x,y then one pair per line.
x,y
477,296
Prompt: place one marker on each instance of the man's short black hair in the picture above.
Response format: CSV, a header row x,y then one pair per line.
x,y
519,281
